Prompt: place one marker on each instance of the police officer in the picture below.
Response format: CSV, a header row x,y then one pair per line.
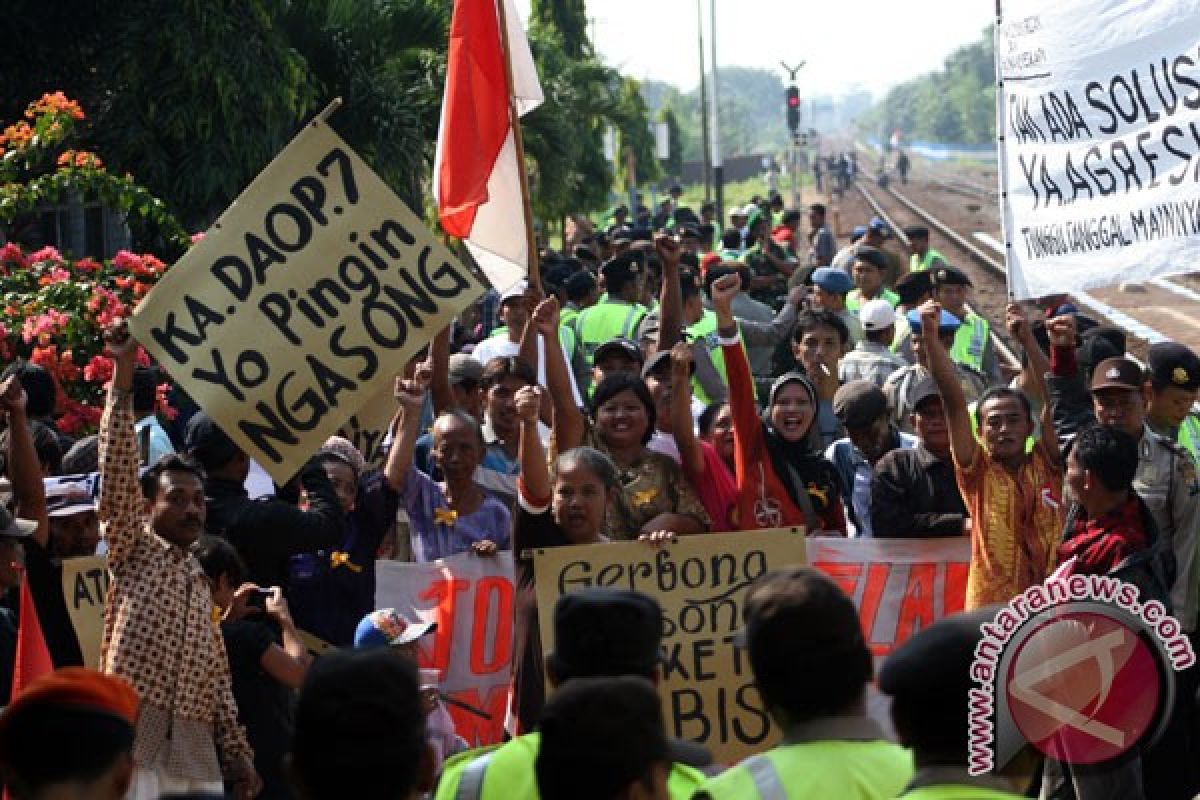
x,y
597,632
973,342
923,256
1166,474
870,264
929,679
1174,381
831,286
811,666
618,313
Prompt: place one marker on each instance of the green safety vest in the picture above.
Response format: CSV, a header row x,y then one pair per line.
x,y
847,770
921,263
506,772
958,792
854,299
597,324
567,316
1189,436
705,330
970,340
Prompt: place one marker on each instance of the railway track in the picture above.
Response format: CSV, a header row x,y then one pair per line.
x,y
1160,309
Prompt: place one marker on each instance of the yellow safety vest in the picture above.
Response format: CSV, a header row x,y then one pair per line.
x,y
597,324
958,792
921,263
1189,436
705,330
970,340
506,772
854,299
847,770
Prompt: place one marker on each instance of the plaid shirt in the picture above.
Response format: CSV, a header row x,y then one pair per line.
x,y
159,633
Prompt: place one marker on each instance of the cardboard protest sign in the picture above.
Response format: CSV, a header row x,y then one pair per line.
x,y
302,301
85,586
368,427
1098,113
471,599
707,689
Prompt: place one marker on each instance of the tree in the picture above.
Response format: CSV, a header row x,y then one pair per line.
x,y
632,119
569,19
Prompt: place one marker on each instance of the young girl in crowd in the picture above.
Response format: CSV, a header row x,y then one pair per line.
x,y
456,515
654,494
569,509
782,477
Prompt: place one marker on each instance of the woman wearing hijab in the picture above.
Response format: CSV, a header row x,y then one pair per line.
x,y
782,477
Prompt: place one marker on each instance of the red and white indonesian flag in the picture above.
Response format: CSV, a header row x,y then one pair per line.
x,y
476,176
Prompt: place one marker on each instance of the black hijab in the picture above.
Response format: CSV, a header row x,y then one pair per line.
x,y
800,463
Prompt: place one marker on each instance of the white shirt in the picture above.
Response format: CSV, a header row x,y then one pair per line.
x,y
498,346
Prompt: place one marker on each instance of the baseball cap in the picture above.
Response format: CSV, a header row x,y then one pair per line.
x,y
859,403
660,362
206,442
465,368
832,280
386,628
602,631
924,389
65,498
858,232
619,346
947,322
518,289
877,314
879,226
15,527
1117,373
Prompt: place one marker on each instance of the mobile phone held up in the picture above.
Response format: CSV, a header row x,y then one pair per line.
x,y
258,599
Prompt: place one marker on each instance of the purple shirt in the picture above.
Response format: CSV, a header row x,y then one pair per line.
x,y
432,539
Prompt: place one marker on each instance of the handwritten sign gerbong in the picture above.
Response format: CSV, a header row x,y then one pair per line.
x,y
302,302
707,690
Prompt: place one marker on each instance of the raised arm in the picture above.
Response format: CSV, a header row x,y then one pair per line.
x,y
771,333
690,452
121,505
670,298
568,419
958,416
24,472
746,423
535,475
410,397
1036,367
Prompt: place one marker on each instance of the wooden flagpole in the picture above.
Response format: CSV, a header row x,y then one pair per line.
x,y
535,278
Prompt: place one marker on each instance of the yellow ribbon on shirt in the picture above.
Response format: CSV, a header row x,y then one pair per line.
x,y
339,559
445,516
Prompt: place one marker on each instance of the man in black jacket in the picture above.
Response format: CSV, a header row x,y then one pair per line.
x,y
913,491
266,532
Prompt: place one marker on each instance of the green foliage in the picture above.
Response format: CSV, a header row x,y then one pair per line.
x,y
569,18
956,104
634,135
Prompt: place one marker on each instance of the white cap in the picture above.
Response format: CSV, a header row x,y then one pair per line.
x,y
518,289
877,314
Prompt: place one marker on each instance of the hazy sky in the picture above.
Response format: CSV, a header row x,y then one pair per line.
x,y
874,43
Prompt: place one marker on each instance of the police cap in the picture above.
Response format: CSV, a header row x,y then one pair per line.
x,y
1172,364
871,255
913,286
950,276
832,280
623,267
602,631
916,232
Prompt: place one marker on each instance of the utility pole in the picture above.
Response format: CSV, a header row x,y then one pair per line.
x,y
792,106
704,103
718,166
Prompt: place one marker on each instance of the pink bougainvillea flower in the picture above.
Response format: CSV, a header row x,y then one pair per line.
x,y
98,370
11,254
88,266
47,253
127,261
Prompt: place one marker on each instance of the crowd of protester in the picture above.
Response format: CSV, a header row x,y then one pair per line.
x,y
665,375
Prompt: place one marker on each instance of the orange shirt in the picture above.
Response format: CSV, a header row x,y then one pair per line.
x,y
1017,521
